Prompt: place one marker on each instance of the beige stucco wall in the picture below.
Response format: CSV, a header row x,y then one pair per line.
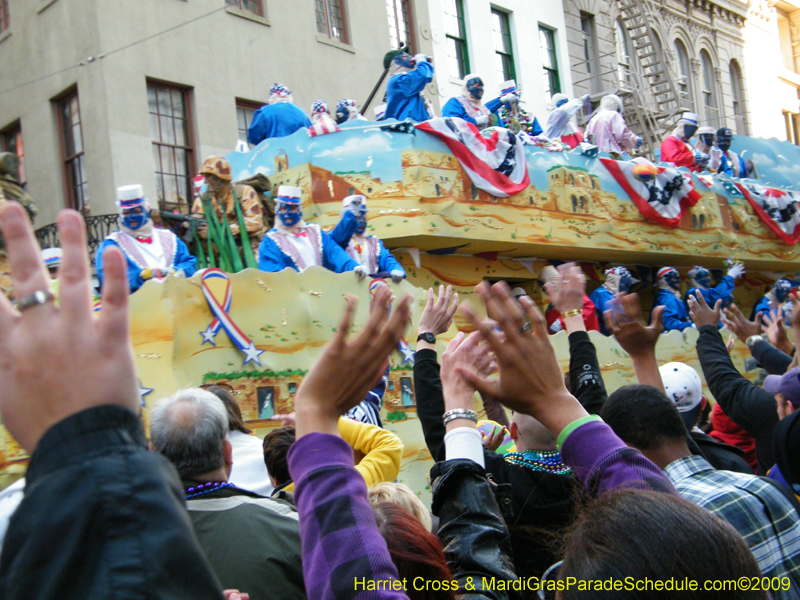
x,y
222,56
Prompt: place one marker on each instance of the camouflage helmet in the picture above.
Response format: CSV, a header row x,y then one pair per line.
x,y
216,165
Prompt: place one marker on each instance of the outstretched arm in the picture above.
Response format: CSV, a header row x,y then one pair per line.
x,y
530,382
78,419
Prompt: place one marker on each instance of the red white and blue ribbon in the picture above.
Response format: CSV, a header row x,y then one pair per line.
x,y
223,320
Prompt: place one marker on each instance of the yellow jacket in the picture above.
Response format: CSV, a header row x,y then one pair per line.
x,y
381,451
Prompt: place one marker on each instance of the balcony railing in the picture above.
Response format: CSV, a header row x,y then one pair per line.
x,y
97,228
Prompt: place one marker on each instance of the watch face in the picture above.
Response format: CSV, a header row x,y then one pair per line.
x,y
428,337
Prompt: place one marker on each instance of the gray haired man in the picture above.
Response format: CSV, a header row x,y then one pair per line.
x,y
252,542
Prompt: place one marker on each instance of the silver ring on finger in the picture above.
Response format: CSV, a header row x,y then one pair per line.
x,y
526,326
36,298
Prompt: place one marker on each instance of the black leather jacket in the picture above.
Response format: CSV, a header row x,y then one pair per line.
x,y
102,518
476,541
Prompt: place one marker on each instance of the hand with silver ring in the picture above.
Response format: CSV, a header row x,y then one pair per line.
x,y
525,327
36,298
60,360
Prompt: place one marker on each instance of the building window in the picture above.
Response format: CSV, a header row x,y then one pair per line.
x,y
331,18
244,116
4,16
589,44
400,24
503,52
547,45
684,81
252,6
173,152
710,111
623,56
737,94
457,54
11,141
72,157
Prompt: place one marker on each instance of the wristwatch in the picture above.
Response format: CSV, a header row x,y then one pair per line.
x,y
753,340
427,336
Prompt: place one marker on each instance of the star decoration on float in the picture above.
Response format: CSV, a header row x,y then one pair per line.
x,y
407,352
252,353
208,336
143,391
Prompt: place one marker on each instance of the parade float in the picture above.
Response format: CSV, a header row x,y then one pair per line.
x,y
450,219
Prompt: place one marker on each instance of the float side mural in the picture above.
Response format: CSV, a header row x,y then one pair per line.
x,y
420,196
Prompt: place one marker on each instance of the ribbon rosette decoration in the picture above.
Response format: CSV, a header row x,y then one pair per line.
x,y
223,320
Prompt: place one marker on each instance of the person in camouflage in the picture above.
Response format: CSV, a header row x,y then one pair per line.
x,y
221,192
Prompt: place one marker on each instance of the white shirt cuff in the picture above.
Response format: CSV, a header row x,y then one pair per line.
x,y
464,442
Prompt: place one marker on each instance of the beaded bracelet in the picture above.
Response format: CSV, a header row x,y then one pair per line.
x,y
459,413
572,313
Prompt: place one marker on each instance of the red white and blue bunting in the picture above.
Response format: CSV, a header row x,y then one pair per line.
x,y
662,194
223,320
496,165
778,209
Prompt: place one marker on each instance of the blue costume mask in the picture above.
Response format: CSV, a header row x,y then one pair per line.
x,y
723,144
404,60
703,277
782,289
341,115
707,139
561,102
134,218
673,280
289,214
625,283
689,130
361,223
475,87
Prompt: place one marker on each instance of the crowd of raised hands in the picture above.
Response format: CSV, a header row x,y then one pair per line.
x,y
62,369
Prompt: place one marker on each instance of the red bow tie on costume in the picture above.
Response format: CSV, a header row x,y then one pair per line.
x,y
145,240
301,234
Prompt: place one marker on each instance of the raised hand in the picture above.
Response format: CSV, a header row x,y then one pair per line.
x,y
494,439
55,362
625,322
701,313
437,315
776,332
739,325
347,369
568,292
530,379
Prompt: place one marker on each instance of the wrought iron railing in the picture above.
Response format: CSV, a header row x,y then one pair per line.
x,y
97,228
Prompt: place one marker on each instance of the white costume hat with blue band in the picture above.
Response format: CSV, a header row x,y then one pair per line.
x,y
130,196
288,194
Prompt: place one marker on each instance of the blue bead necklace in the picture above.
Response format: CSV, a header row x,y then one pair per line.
x,y
207,488
547,461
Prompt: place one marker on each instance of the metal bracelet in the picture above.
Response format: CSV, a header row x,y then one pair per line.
x,y
459,413
572,313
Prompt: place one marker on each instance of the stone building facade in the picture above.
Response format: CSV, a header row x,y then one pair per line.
x,y
703,44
